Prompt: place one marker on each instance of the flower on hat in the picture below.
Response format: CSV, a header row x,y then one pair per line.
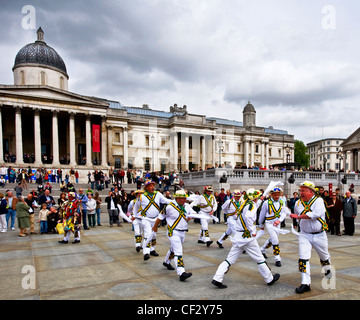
x,y
252,194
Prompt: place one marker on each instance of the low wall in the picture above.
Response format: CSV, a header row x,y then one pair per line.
x,y
260,179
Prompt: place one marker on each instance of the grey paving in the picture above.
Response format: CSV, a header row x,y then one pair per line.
x,y
105,266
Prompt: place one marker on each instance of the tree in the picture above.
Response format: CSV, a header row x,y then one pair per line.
x,y
301,155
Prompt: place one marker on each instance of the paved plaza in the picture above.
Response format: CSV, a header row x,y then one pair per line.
x,y
105,266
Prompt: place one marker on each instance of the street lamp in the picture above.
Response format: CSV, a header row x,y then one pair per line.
x,y
288,153
153,158
341,157
220,150
325,160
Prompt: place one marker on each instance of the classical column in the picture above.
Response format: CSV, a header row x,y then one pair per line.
x,y
18,137
1,137
55,138
246,152
103,142
267,155
72,139
213,150
263,153
186,153
125,146
252,153
37,138
110,143
203,151
175,151
88,140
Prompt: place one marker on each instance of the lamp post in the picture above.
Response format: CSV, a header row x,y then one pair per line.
x,y
288,153
220,150
153,151
325,160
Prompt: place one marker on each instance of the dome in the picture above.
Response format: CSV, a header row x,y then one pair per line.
x,y
40,54
249,108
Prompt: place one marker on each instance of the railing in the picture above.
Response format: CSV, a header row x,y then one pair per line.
x,y
256,177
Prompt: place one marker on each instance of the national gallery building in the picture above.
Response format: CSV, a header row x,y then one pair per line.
x,y
44,124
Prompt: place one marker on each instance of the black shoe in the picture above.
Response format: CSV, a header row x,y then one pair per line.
x,y
168,266
208,243
76,241
303,288
146,256
278,263
138,249
200,241
154,253
63,241
219,284
276,277
220,245
185,275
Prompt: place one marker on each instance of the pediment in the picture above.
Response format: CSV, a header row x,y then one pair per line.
x,y
46,93
352,141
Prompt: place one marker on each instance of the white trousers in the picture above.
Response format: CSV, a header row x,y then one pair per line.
x,y
204,232
306,242
138,230
253,250
147,229
3,224
230,230
176,251
76,235
273,240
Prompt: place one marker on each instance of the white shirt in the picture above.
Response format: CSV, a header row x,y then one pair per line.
x,y
317,210
203,204
150,211
171,215
249,217
269,215
91,206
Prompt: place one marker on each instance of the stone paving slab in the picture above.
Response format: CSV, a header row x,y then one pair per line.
x,y
105,266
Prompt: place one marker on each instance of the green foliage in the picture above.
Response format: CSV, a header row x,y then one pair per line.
x,y
301,155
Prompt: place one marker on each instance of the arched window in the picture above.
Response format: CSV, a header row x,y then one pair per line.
x,y
42,78
22,77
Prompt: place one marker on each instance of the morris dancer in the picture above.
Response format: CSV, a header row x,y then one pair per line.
x,y
138,231
230,209
311,211
273,212
71,218
148,205
244,239
208,205
176,215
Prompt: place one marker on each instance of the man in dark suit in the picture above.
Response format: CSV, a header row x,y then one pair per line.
x,y
46,198
349,213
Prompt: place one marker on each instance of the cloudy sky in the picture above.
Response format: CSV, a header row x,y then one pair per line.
x,y
296,61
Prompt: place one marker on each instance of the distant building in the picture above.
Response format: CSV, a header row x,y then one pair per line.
x,y
327,154
43,123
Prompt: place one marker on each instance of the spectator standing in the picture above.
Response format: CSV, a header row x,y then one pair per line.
x,y
46,198
11,201
30,202
22,213
43,218
349,214
98,207
3,212
83,207
91,207
334,206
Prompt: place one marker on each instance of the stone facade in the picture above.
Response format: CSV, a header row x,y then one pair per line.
x,y
44,119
